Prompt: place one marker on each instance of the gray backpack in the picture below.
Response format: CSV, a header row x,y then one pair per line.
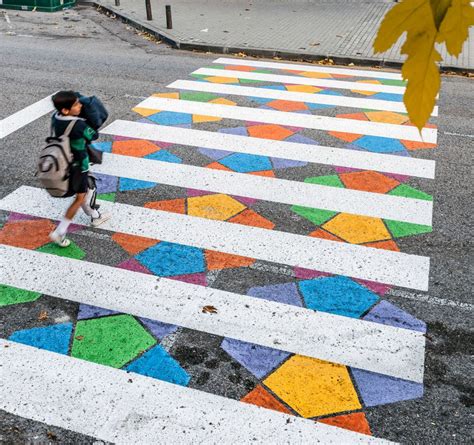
x,y
54,163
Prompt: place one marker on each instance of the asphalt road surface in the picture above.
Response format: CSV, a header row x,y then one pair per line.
x,y
87,51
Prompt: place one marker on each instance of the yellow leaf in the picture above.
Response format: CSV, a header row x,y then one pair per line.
x,y
439,8
454,29
405,16
422,73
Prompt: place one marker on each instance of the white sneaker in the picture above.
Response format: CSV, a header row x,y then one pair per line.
x,y
60,240
101,219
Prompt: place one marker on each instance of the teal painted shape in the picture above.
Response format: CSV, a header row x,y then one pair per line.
x,y
157,363
127,184
171,118
337,295
105,147
165,156
53,338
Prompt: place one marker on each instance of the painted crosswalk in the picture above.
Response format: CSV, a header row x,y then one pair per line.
x,y
178,227
315,122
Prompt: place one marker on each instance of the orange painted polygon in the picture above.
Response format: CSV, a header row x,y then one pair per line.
x,y
260,397
29,234
133,244
355,422
137,148
250,218
368,181
269,131
170,205
218,260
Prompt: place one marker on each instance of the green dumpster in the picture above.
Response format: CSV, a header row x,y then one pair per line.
x,y
37,5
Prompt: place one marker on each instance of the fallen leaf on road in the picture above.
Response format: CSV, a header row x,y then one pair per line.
x,y
79,337
209,310
43,315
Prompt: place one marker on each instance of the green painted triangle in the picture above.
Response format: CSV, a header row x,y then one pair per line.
x,y
197,96
316,216
263,71
216,67
13,295
399,229
330,180
72,251
200,76
410,192
107,196
243,81
393,82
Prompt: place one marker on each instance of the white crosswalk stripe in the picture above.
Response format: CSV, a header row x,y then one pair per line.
x,y
298,80
405,132
366,263
268,93
416,211
124,408
424,168
399,352
309,68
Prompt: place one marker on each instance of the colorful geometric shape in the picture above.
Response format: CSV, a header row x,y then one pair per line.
x,y
171,118
137,148
165,156
316,216
357,229
28,234
337,295
313,387
170,205
12,295
368,181
410,192
269,131
379,144
128,184
250,218
133,265
244,163
400,229
169,259
286,293
157,363
387,117
53,338
111,341
72,251
159,329
88,311
133,244
388,314
354,422
219,207
219,260
259,360
261,397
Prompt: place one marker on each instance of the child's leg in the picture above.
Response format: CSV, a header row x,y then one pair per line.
x,y
58,235
86,203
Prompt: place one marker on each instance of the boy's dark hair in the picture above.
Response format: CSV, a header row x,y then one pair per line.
x,y
64,99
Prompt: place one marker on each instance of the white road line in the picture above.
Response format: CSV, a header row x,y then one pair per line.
x,y
317,122
430,299
386,163
128,408
309,68
416,211
267,93
399,269
361,344
298,80
25,116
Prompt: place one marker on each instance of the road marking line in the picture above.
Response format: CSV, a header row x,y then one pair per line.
x,y
377,205
298,80
423,168
326,99
24,117
125,408
405,132
361,344
399,269
309,68
459,134
430,299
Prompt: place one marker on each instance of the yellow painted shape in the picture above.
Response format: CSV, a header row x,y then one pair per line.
x,y
367,93
314,387
387,117
303,89
145,111
220,79
316,75
198,118
220,207
357,229
222,101
167,95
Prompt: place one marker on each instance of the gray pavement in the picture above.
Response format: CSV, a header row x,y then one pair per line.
x,y
91,53
341,30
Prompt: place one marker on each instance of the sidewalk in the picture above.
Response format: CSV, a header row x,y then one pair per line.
x,y
342,30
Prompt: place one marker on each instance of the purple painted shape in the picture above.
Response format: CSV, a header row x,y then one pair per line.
x,y
400,178
252,123
346,169
294,129
300,139
388,314
286,163
240,131
162,144
133,265
307,274
123,138
106,183
379,288
20,217
244,200
86,311
214,154
378,389
73,228
194,192
158,328
286,293
194,278
259,360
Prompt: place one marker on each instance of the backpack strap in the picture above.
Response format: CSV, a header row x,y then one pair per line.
x,y
69,128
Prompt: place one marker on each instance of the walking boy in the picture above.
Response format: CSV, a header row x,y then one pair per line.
x,y
68,109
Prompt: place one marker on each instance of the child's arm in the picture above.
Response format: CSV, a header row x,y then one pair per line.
x,y
79,146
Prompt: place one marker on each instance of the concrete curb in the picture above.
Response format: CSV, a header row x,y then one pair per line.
x,y
300,56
